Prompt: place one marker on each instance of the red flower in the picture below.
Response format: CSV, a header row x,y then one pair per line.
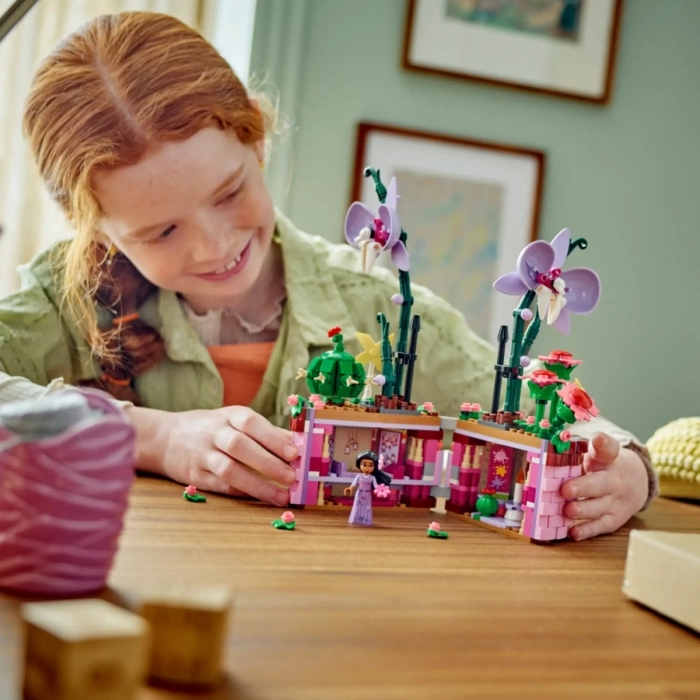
x,y
334,331
542,377
578,401
561,357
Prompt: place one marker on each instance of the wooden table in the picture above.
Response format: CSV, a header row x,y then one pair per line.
x,y
331,612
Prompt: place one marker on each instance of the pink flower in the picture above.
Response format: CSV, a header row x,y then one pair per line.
x,y
476,407
544,424
293,400
560,357
191,490
542,377
578,401
531,420
428,406
287,517
465,408
382,491
435,527
565,435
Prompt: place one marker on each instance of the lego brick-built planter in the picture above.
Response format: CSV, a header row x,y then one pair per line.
x,y
504,470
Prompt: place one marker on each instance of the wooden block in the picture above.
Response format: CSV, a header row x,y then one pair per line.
x,y
189,628
83,650
663,573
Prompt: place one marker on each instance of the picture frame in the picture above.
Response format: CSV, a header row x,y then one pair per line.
x,y
561,48
485,195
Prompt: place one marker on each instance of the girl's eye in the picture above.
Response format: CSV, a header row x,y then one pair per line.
x,y
167,233
230,196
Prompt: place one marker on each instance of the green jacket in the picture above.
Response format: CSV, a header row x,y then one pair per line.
x,y
325,288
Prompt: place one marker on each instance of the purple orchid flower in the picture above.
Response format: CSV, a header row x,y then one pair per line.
x,y
373,234
559,292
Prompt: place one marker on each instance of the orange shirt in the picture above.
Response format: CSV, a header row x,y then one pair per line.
x,y
242,368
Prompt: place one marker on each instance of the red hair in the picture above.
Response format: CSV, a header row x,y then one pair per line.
x,y
109,92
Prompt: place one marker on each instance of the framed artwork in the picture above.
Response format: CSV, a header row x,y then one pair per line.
x,y
468,207
564,48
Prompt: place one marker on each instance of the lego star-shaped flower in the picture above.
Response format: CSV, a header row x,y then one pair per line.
x,y
371,350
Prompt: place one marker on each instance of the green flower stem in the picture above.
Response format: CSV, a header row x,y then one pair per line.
x,y
512,401
540,406
404,324
387,368
553,408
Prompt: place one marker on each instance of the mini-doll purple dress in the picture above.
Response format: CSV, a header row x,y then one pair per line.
x,y
361,513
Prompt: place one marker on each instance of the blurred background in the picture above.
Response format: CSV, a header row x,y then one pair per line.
x,y
610,150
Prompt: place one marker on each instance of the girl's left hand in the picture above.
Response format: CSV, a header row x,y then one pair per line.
x,y
614,487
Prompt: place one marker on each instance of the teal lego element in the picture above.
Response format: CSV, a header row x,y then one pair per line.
x,y
336,375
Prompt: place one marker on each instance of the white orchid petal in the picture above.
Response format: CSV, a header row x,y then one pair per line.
x,y
544,294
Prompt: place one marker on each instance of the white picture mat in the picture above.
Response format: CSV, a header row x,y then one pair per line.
x,y
538,61
516,173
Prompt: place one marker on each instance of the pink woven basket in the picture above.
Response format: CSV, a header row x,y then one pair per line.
x,y
62,503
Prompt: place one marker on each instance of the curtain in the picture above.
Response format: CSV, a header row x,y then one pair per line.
x,y
29,219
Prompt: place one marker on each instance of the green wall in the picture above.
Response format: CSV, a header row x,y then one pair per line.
x,y
625,176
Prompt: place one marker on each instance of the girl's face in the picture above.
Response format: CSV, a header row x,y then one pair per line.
x,y
194,217
366,466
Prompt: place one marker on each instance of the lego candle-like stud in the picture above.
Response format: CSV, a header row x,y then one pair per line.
x,y
66,468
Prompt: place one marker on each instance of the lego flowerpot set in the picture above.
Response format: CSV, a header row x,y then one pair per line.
x,y
363,442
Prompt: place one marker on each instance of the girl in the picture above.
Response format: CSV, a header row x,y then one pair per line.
x,y
363,486
185,294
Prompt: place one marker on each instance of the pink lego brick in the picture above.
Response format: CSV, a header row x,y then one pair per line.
x,y
551,484
557,472
457,454
311,492
562,533
430,448
325,467
575,471
556,521
568,522
551,508
545,534
414,471
315,464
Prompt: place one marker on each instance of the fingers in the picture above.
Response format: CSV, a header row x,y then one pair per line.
x,y
589,509
594,485
603,451
259,429
593,528
239,477
206,481
246,450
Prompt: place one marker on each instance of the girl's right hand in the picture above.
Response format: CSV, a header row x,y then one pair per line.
x,y
226,450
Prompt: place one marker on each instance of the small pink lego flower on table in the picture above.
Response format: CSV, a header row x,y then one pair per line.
x,y
286,521
565,435
190,494
435,531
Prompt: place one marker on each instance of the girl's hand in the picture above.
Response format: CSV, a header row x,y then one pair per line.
x,y
615,486
348,491
227,450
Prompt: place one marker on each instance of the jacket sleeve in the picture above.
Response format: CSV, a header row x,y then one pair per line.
x,y
34,342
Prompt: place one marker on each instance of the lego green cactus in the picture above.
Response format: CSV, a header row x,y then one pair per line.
x,y
335,375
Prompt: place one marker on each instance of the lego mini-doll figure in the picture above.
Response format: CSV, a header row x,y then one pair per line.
x,y
365,483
